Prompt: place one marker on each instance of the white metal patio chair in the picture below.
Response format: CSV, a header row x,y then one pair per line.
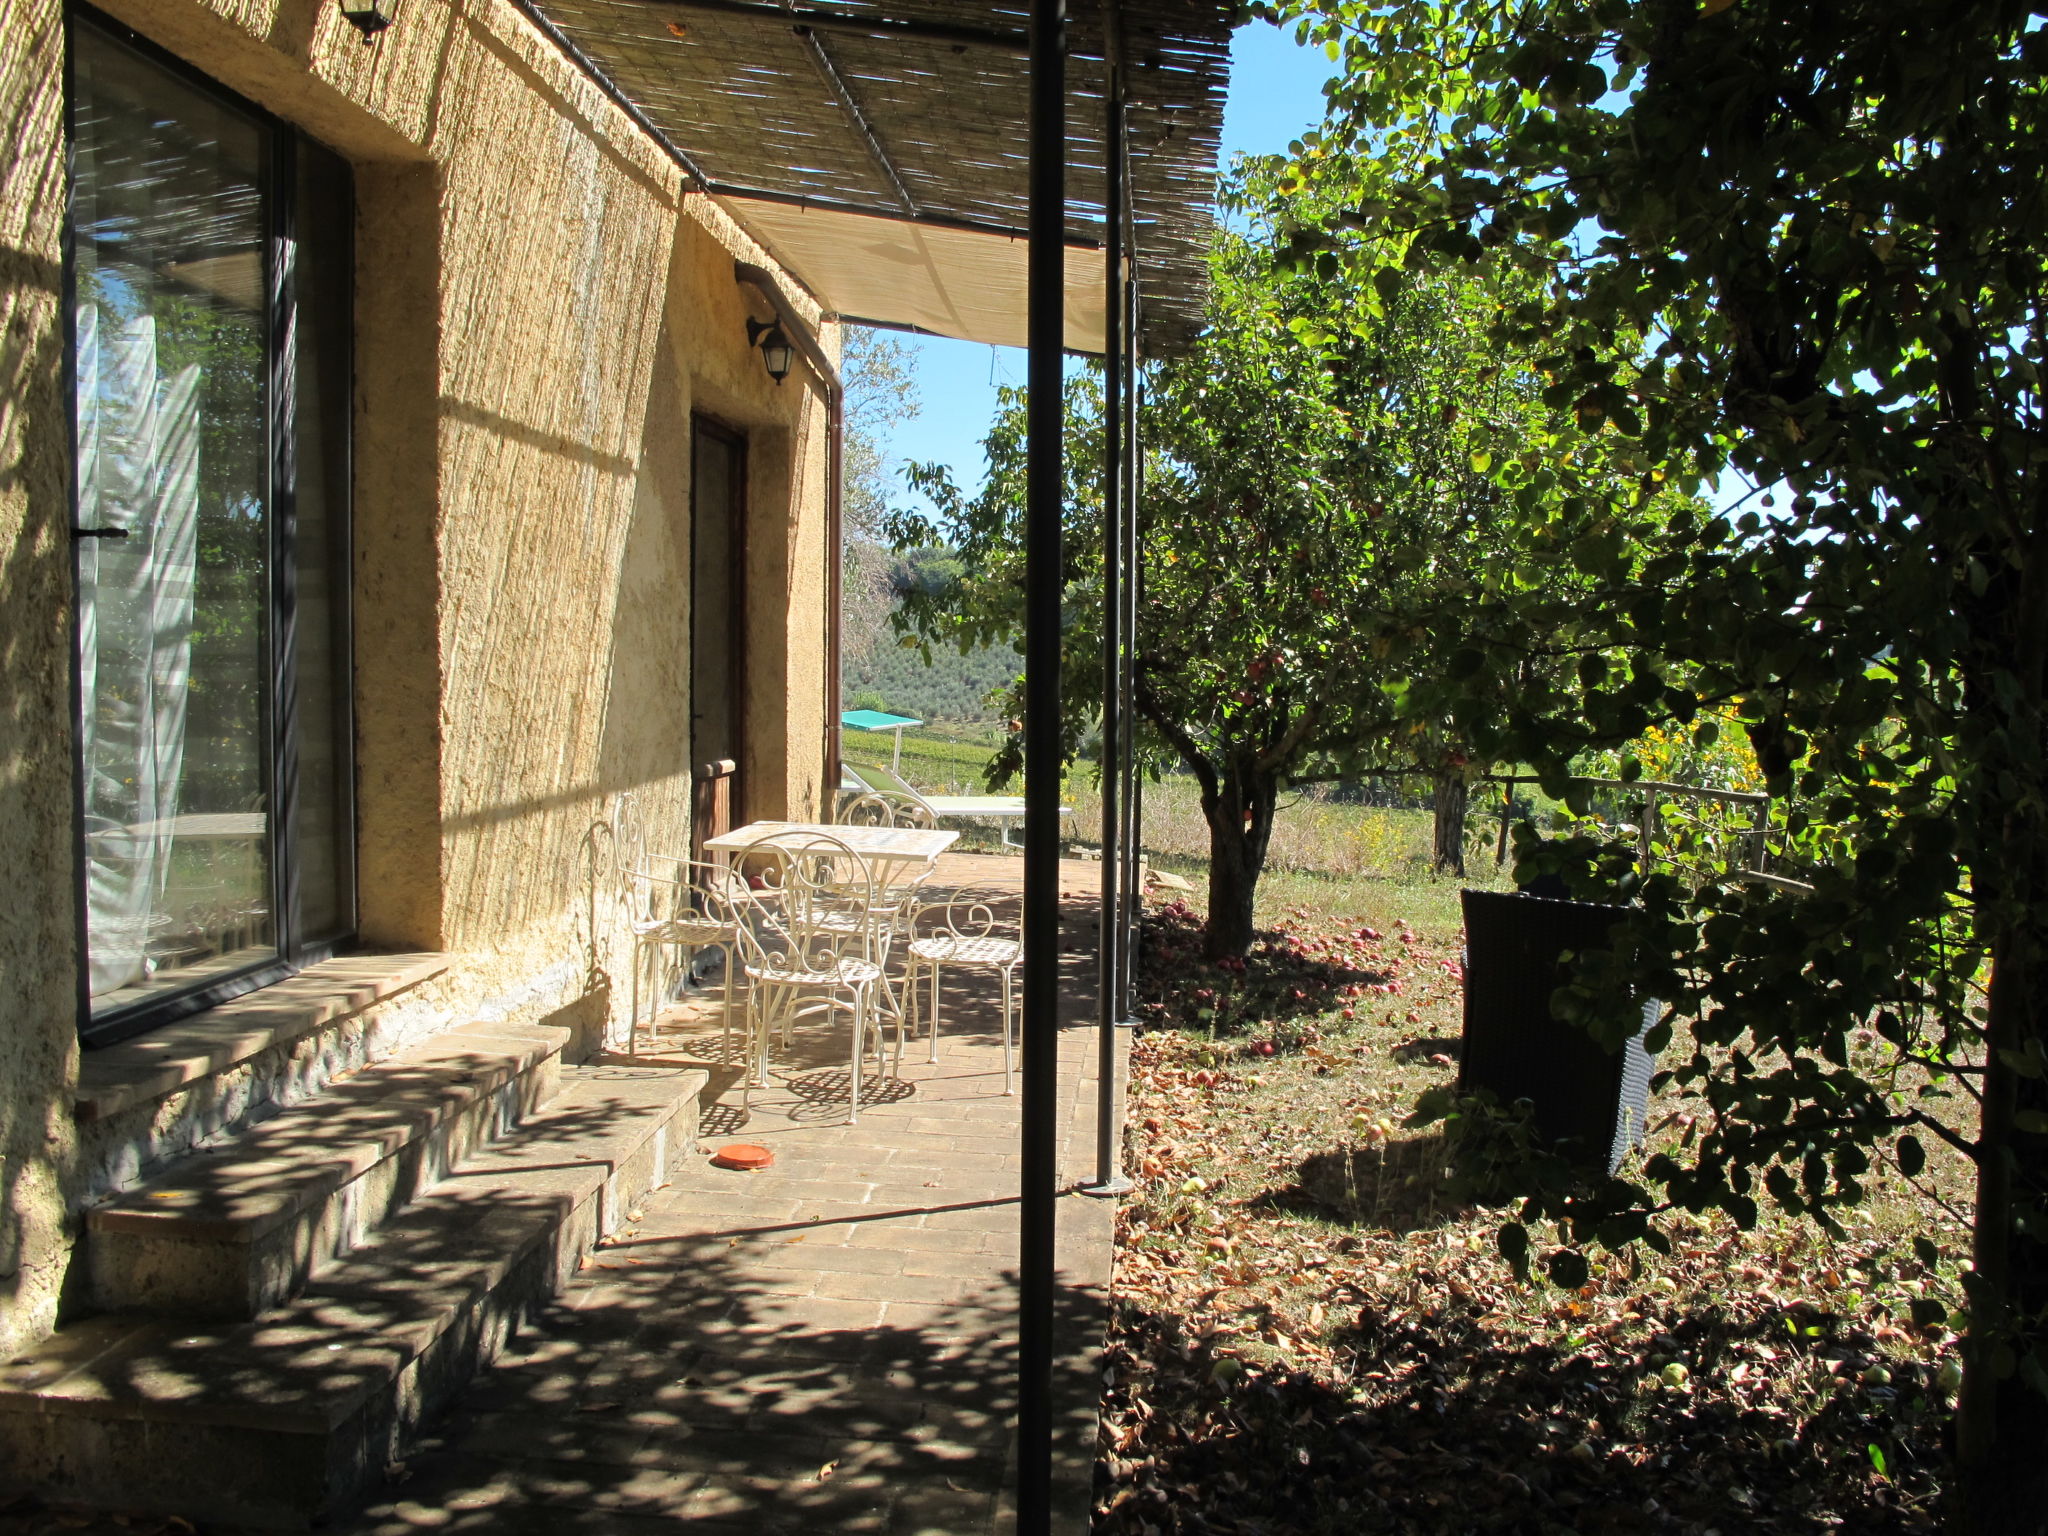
x,y
967,929
899,886
673,904
811,943
682,907
887,808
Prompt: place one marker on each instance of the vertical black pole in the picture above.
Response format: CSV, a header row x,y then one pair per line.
x,y
1046,335
1133,827
1109,1179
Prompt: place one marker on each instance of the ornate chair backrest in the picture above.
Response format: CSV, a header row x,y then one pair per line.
x,y
911,811
807,898
867,809
657,887
886,808
649,885
628,840
971,912
629,834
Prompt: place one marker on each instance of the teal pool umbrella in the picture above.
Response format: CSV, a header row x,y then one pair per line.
x,y
875,720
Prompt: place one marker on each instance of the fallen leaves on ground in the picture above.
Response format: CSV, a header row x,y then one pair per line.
x,y
1310,1337
28,1515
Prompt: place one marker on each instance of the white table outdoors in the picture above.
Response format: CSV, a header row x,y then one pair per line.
x,y
878,845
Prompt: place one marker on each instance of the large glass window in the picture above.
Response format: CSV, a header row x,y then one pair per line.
x,y
211,271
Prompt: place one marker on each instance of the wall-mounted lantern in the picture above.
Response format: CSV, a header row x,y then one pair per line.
x,y
368,17
776,351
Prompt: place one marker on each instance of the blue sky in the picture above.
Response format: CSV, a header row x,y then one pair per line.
x,y
1276,91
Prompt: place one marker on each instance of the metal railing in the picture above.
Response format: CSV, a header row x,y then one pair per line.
x,y
1753,864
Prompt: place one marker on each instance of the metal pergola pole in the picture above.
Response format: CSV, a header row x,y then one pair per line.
x,y
1109,1176
1133,578
1045,266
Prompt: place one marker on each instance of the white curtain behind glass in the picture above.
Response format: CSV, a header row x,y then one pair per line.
x,y
138,471
169,218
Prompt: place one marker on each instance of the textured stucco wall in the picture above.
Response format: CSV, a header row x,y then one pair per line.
x,y
540,306
38,1017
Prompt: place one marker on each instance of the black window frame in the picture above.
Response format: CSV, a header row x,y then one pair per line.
x,y
294,952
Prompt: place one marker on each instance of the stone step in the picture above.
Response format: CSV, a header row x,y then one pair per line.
x,y
229,1231
283,1421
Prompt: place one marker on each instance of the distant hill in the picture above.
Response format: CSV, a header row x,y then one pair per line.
x,y
953,687
881,674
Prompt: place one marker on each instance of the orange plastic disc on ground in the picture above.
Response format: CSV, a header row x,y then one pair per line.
x,y
743,1155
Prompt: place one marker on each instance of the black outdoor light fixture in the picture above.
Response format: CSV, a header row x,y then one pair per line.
x,y
368,17
776,351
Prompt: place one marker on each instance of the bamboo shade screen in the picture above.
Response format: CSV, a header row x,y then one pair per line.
x,y
932,136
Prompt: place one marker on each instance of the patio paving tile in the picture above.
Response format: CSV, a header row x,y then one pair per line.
x,y
896,1288
910,1240
828,1344
838,1258
945,1262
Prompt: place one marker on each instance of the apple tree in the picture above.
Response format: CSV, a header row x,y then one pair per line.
x,y
1320,522
1808,245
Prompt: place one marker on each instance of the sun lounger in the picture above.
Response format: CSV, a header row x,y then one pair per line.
x,y
1001,809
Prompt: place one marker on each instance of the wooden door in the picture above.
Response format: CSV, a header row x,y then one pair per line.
x,y
718,612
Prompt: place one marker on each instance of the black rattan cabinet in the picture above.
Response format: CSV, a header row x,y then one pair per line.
x,y
1588,1099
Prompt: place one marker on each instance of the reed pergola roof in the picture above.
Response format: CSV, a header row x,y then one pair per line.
x,y
877,148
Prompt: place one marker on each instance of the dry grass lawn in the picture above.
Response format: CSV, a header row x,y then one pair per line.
x,y
1313,1336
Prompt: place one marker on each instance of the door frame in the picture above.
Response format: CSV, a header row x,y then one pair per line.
x,y
702,425
280,750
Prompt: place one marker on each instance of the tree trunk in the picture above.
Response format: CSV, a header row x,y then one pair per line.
x,y
1240,817
1453,795
2002,1417
2001,1424
1233,886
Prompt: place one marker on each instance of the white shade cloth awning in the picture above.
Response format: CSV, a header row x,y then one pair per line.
x,y
953,282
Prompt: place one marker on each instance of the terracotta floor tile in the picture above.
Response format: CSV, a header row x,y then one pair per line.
x,y
827,1345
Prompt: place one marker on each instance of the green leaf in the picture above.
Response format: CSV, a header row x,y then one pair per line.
x,y
2025,1063
1567,1267
1912,1156
1513,1241
1927,1312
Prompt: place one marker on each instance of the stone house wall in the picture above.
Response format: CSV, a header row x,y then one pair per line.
x,y
540,305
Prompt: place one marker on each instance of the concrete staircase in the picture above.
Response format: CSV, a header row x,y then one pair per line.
x,y
282,1312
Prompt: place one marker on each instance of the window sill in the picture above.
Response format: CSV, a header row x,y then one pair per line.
x,y
158,1064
